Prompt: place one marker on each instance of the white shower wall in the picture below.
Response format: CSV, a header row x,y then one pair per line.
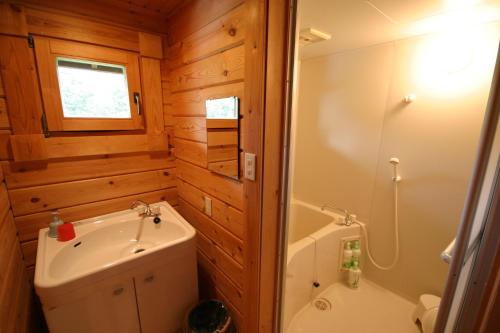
x,y
351,119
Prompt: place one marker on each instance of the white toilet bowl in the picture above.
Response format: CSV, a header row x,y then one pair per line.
x,y
426,312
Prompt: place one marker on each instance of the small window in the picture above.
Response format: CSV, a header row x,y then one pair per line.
x,y
87,87
92,89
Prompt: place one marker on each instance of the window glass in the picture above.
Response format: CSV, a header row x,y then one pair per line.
x,y
222,108
92,89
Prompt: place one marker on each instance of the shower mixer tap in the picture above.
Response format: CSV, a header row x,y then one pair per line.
x,y
348,218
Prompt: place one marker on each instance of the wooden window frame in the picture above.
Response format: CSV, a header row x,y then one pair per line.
x,y
47,50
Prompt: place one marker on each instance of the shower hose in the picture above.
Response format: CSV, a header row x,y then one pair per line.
x,y
396,234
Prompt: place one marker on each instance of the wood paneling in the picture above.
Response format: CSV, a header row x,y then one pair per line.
x,y
29,252
150,45
223,188
227,241
13,21
222,123
221,259
84,174
230,267
217,138
191,128
48,197
195,16
253,141
138,14
2,92
207,58
20,83
19,175
44,23
273,229
217,154
192,103
74,146
28,147
224,67
224,33
225,215
153,99
29,225
221,283
15,291
191,151
4,117
229,168
5,150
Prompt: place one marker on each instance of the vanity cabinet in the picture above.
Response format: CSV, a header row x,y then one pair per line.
x,y
108,306
152,301
124,273
161,298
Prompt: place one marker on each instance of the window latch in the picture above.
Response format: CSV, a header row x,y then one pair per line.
x,y
45,125
137,102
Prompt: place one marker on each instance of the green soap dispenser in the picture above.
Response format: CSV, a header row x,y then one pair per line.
x,y
354,275
356,252
56,222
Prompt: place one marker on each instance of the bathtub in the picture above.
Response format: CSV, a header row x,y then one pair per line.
x,y
305,219
314,245
313,255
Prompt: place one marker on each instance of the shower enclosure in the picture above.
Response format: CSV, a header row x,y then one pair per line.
x,y
386,122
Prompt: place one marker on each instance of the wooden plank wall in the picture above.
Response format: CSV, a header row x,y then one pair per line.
x,y
209,62
113,174
15,291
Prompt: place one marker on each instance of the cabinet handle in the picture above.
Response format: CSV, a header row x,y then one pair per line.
x,y
118,291
149,278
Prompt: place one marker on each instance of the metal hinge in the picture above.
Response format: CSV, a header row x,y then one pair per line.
x,y
31,41
45,125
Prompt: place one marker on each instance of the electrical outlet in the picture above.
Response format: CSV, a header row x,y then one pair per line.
x,y
250,166
208,206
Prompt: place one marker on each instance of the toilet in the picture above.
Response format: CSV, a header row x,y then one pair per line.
x,y
426,312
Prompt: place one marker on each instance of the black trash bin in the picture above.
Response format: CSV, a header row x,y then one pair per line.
x,y
209,316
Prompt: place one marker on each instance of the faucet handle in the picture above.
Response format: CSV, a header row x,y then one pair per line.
x,y
350,219
141,209
155,211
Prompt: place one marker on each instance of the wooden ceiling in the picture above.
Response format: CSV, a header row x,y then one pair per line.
x,y
150,15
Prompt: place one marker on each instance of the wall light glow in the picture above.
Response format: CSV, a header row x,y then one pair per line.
x,y
460,49
455,19
454,4
455,62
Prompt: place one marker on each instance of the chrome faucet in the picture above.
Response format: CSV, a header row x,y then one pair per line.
x,y
146,210
348,218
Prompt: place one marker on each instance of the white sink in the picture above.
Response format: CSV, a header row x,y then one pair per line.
x,y
119,246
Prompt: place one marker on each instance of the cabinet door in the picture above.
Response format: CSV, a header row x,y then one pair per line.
x,y
165,294
110,307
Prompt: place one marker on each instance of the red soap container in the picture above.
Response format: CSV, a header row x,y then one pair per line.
x,y
65,232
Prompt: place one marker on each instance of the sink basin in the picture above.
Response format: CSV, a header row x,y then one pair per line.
x,y
108,245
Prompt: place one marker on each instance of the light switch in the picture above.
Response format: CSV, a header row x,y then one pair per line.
x,y
208,206
250,166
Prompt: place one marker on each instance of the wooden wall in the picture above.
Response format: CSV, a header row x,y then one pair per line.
x,y
15,291
216,49
85,174
208,61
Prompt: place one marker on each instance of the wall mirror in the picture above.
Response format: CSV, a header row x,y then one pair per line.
x,y
223,136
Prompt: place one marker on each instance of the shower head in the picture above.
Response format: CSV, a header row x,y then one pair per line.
x,y
394,161
396,178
